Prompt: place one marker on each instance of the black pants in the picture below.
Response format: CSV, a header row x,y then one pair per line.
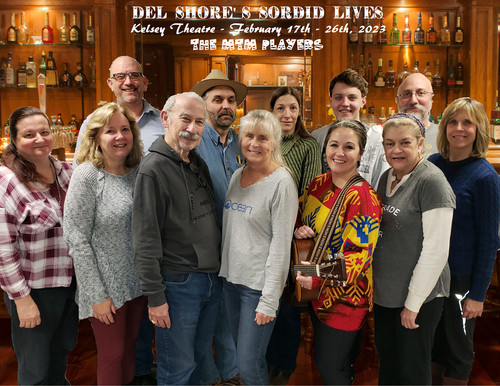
x,y
335,352
42,351
405,355
453,342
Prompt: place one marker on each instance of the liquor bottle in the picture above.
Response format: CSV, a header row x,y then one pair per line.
x,y
79,79
90,36
65,79
394,32
30,73
51,73
362,68
59,120
459,78
431,32
74,31
10,74
369,72
382,118
12,30
419,34
93,71
437,80
450,80
21,75
43,65
22,32
3,72
415,69
368,33
444,33
371,115
353,64
403,74
47,32
64,30
390,76
406,35
354,32
75,127
458,35
379,79
382,33
427,71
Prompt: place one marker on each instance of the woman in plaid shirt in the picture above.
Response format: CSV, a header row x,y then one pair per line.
x,y
36,271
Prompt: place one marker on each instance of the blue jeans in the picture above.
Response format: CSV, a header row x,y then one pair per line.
x,y
224,366
193,300
251,339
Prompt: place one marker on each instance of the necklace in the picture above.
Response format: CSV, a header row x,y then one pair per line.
x,y
56,182
398,180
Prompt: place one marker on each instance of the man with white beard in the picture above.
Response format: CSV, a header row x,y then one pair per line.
x,y
415,97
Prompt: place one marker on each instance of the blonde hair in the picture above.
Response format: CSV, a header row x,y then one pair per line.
x,y
267,122
90,150
401,123
477,115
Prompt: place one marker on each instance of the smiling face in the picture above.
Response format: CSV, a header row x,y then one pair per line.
x,y
127,92
257,146
346,101
343,152
115,139
402,148
34,138
184,125
287,110
221,107
461,134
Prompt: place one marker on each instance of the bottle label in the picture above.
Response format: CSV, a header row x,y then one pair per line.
x,y
419,37
90,36
459,37
379,82
11,35
78,78
45,34
432,38
64,36
9,77
73,35
51,78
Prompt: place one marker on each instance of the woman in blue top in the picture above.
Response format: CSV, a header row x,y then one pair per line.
x,y
463,143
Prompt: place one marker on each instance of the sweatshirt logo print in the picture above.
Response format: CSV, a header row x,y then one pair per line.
x,y
230,205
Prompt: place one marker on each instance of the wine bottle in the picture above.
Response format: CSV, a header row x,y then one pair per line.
x,y
362,68
382,33
47,32
3,72
427,71
369,72
431,32
459,79
394,32
21,75
74,32
406,35
354,32
450,80
368,33
403,74
10,74
419,35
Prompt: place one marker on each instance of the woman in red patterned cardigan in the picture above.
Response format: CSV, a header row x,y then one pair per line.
x,y
339,313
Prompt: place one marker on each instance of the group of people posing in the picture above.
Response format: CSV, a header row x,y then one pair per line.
x,y
172,225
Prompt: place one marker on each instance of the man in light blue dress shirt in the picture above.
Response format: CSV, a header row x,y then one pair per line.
x,y
220,150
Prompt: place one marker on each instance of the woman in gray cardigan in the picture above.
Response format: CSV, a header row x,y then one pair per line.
x,y
97,228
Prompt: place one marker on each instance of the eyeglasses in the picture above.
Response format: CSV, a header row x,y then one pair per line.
x,y
418,93
121,76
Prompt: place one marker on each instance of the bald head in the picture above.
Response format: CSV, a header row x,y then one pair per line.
x,y
122,61
415,97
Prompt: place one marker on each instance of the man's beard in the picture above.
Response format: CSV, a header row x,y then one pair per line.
x,y
422,113
219,122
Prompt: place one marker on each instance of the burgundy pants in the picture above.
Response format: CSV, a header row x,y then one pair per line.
x,y
116,343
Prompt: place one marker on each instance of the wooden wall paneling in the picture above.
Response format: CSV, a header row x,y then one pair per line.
x,y
483,55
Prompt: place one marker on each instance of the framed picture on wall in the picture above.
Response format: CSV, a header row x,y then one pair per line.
x,y
282,80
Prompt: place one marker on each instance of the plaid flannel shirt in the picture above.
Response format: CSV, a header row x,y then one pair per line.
x,y
33,253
